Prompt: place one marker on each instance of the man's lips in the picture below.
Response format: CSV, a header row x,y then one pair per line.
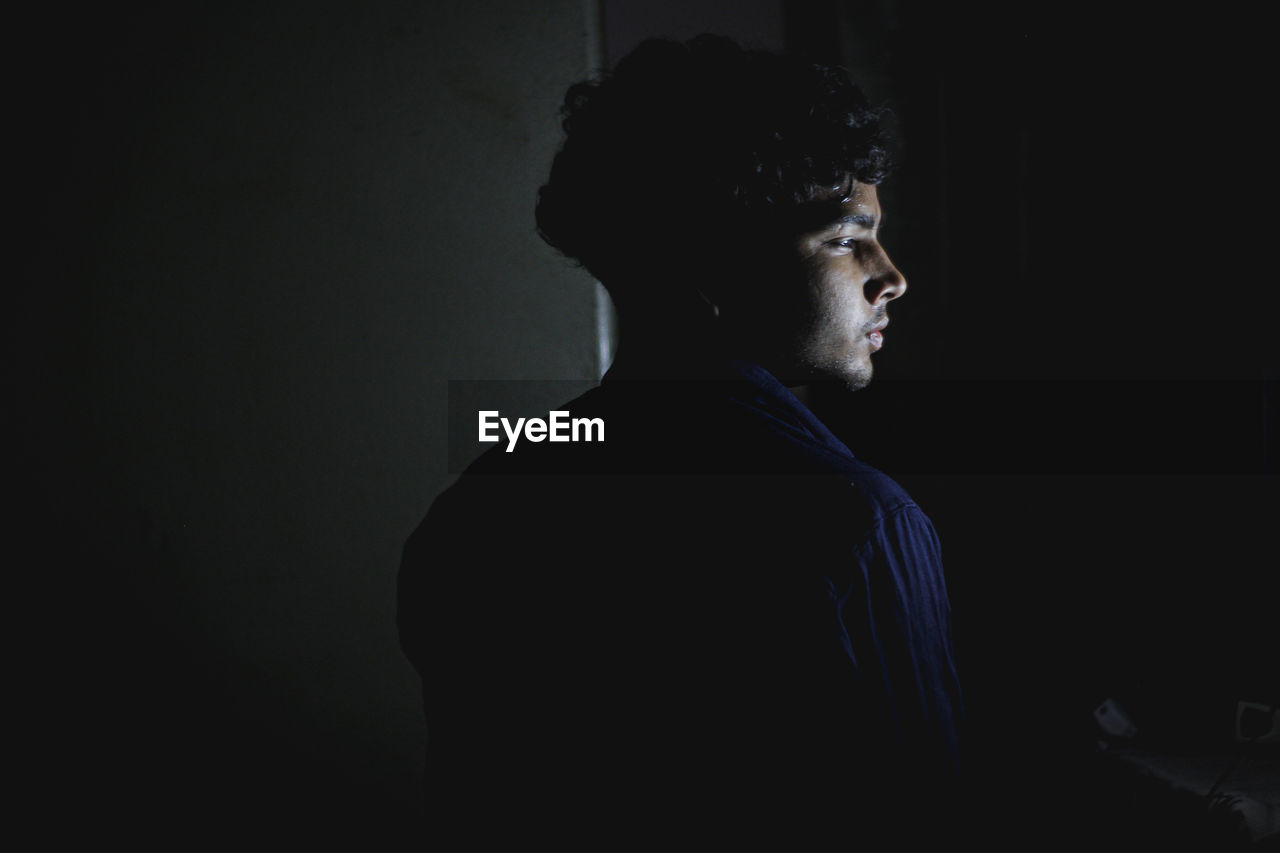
x,y
876,335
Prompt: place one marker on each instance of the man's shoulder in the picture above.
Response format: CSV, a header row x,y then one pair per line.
x,y
882,494
780,442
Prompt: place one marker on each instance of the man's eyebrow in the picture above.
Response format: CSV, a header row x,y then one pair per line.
x,y
863,220
828,216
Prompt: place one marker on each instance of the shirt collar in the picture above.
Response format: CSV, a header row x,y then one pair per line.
x,y
743,382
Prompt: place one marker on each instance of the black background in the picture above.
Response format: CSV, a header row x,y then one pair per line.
x,y
1079,385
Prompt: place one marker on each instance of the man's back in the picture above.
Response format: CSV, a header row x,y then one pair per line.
x,y
716,612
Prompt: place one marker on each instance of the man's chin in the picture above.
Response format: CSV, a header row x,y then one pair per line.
x,y
853,375
857,380
857,383
850,378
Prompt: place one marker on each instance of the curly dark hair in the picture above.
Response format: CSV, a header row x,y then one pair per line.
x,y
687,143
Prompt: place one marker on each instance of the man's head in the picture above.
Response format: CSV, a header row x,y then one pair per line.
x,y
709,186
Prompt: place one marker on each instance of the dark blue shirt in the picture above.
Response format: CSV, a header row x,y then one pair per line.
x,y
718,611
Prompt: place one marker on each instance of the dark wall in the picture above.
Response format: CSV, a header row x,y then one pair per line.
x,y
254,241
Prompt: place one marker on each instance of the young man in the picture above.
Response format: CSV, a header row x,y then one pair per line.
x,y
717,620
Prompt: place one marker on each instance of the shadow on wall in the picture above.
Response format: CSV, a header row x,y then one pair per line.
x,y
259,242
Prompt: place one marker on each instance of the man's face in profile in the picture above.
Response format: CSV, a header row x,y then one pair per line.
x,y
836,291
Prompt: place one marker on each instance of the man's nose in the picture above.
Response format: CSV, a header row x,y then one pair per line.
x,y
888,283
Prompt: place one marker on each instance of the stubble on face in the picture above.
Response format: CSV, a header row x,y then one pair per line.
x,y
807,296
844,281
831,346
